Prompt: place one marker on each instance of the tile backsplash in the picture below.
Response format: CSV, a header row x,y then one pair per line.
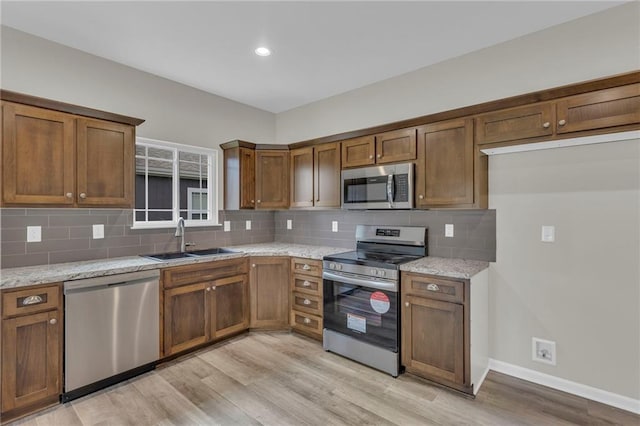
x,y
67,233
474,230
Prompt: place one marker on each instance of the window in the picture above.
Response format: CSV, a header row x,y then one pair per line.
x,y
174,181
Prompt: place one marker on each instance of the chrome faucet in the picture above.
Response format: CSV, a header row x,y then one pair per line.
x,y
180,233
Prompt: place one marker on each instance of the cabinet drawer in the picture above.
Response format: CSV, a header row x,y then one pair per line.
x,y
199,272
306,266
30,300
306,284
434,288
306,322
306,303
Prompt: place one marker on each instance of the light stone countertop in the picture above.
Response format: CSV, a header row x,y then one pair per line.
x,y
445,267
42,274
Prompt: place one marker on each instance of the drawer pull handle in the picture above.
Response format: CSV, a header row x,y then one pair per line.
x,y
307,321
53,321
32,300
306,267
306,284
306,302
433,287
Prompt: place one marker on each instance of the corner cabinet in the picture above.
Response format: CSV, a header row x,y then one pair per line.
x,y
269,292
53,158
315,176
272,179
449,171
445,329
32,327
202,303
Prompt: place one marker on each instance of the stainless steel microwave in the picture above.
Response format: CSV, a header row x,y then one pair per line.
x,y
379,187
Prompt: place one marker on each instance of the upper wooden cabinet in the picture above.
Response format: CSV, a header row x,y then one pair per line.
x,y
53,158
272,179
588,112
388,147
445,167
315,176
239,178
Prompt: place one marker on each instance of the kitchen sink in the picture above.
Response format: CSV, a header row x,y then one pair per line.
x,y
182,255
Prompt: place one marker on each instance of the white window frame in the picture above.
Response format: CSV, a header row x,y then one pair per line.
x,y
190,210
212,186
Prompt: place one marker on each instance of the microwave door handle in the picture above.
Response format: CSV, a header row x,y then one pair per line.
x,y
390,190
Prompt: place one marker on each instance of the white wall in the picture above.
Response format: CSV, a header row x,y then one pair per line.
x,y
173,112
591,47
583,291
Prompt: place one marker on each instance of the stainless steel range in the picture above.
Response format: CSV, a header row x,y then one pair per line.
x,y
362,294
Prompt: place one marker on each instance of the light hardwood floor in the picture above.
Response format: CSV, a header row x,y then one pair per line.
x,y
284,379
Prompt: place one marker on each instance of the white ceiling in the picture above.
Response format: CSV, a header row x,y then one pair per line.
x,y
320,49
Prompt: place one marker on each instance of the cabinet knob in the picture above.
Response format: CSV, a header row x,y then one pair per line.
x,y
253,265
307,321
562,122
379,155
69,194
546,124
83,195
317,199
306,301
213,287
406,304
208,288
306,284
421,196
371,157
53,321
253,201
259,201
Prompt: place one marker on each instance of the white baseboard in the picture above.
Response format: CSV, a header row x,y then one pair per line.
x,y
476,386
599,395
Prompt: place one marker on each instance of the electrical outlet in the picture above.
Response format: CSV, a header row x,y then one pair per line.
x,y
448,230
289,224
548,234
226,226
543,351
334,226
98,232
247,225
34,234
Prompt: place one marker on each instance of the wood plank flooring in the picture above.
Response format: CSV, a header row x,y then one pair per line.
x,y
285,379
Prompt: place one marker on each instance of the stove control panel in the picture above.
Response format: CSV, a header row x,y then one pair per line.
x,y
335,266
370,272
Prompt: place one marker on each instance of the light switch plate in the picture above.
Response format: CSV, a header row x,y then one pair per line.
x,y
289,224
248,225
548,234
448,230
226,226
34,234
98,231
334,226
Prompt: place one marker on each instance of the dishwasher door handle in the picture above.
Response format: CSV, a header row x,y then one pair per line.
x,y
108,281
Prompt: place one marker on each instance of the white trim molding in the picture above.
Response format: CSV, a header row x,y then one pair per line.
x,y
595,394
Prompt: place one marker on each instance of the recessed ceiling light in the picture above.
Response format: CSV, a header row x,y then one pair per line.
x,y
262,51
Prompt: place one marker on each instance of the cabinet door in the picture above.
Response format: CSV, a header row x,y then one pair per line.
x,y
269,290
617,106
38,156
31,360
516,123
229,305
358,152
186,323
105,163
327,175
247,178
445,175
433,339
272,179
302,177
398,145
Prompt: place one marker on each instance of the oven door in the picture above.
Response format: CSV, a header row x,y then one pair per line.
x,y
364,313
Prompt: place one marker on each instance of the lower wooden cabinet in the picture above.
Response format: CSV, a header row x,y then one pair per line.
x,y
32,327
306,297
201,308
269,290
445,329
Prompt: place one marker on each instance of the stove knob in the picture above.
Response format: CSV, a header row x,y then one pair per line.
x,y
374,272
332,265
382,273
339,267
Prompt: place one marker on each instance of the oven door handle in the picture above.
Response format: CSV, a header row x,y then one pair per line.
x,y
392,287
390,188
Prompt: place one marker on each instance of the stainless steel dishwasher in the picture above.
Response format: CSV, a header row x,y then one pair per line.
x,y
111,330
